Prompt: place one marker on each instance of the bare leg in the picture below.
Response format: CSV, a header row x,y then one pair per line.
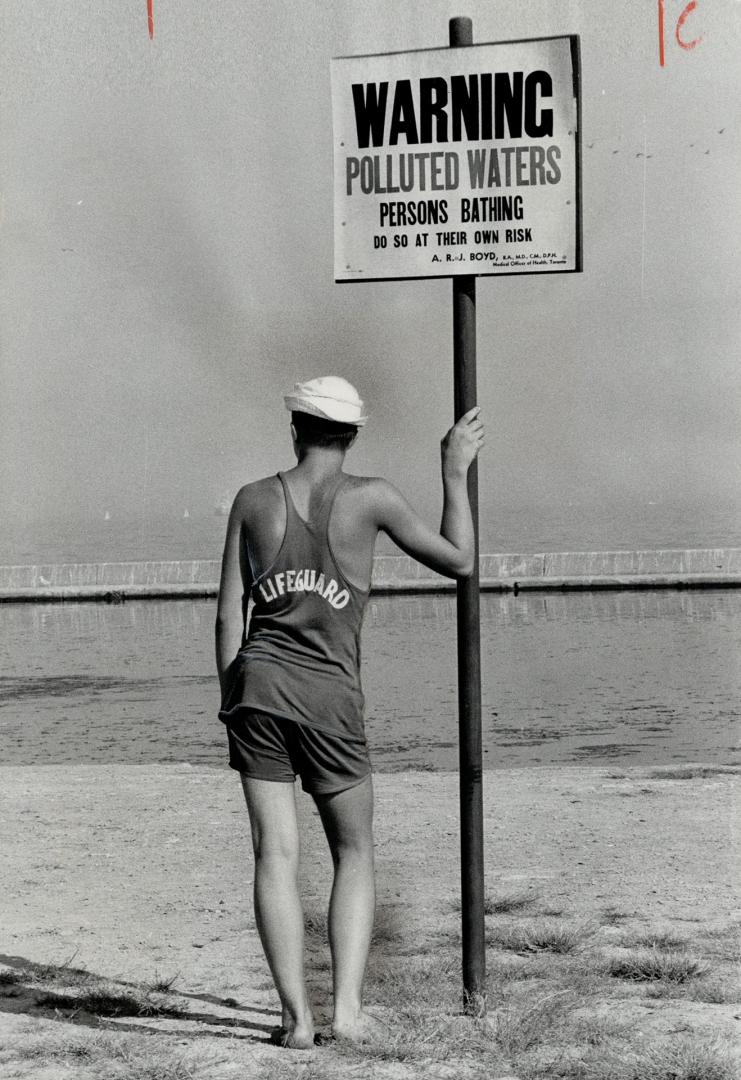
x,y
348,822
278,912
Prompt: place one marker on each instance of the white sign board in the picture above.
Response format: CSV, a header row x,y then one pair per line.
x,y
457,161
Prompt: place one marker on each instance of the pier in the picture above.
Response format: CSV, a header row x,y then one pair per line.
x,y
118,581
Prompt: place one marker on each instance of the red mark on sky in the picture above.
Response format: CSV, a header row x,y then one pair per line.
x,y
686,11
680,23
661,33
150,19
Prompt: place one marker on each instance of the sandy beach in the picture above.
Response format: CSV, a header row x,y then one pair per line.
x,y
143,875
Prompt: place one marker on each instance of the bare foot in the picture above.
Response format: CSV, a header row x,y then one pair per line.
x,y
297,1038
362,1028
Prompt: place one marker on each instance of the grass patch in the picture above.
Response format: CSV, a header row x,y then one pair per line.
x,y
69,989
516,1025
508,903
724,943
107,1056
162,985
707,990
598,1030
56,973
665,940
694,772
102,1002
504,968
315,927
431,981
713,992
419,1035
537,937
688,1058
503,904
139,1063
387,930
681,1059
655,965
613,917
522,1024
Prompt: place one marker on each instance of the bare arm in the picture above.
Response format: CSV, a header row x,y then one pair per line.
x,y
451,550
234,586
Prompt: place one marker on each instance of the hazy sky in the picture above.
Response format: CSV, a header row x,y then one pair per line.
x,y
167,261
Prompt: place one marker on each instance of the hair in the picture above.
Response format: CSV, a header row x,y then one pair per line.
x,y
316,431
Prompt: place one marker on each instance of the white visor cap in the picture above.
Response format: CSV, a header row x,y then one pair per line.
x,y
329,397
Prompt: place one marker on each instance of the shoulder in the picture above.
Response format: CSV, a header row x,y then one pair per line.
x,y
375,493
257,496
368,485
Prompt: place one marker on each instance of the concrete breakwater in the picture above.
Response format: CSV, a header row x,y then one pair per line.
x,y
116,581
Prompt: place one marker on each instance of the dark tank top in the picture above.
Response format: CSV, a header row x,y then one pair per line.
x,y
301,657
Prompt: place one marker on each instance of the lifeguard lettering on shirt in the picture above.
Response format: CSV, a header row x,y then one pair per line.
x,y
303,581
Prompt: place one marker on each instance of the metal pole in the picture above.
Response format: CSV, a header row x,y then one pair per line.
x,y
469,650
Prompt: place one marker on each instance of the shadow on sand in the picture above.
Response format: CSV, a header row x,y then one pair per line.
x,y
74,995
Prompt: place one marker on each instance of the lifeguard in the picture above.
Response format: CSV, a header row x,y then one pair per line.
x,y
292,701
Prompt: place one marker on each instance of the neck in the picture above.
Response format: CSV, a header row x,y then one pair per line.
x,y
319,461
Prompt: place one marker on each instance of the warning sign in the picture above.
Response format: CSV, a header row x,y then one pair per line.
x,y
457,161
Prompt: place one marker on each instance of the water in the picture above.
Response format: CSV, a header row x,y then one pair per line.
x,y
620,678
586,525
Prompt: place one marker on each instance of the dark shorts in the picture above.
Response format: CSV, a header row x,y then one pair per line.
x,y
265,747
